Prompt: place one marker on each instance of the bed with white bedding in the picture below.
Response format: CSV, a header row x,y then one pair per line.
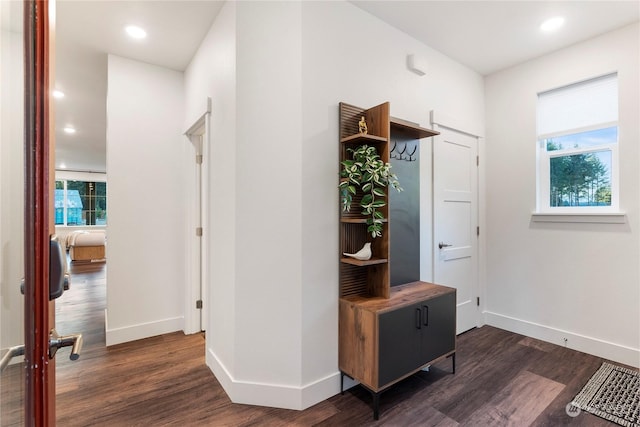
x,y
87,245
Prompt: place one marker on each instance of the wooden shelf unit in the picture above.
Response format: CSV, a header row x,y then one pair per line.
x,y
357,220
380,340
411,129
353,229
362,263
374,281
361,139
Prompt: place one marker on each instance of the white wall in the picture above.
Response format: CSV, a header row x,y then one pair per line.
x,y
212,73
273,340
268,194
557,280
11,187
146,238
361,61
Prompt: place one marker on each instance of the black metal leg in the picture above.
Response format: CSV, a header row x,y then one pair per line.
x,y
453,362
374,395
376,405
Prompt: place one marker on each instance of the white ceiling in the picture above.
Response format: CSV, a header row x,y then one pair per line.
x,y
86,31
484,35
488,36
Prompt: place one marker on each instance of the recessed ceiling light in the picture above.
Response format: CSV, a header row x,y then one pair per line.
x,y
136,32
58,94
62,166
552,24
69,130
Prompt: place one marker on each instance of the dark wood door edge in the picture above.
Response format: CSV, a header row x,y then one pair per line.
x,y
39,411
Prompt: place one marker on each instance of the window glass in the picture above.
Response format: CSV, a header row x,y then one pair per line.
x,y
592,138
578,146
80,203
581,179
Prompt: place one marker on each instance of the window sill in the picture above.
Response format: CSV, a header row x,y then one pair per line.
x,y
593,217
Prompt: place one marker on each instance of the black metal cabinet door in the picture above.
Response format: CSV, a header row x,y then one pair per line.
x,y
399,343
438,327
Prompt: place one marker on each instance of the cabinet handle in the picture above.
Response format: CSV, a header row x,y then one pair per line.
x,y
426,315
418,318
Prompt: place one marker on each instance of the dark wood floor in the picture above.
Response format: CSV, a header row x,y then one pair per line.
x,y
502,379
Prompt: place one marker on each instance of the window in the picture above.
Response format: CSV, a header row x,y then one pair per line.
x,y
578,147
80,203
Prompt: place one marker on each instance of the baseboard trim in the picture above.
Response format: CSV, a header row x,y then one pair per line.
x,y
273,395
142,330
597,347
319,390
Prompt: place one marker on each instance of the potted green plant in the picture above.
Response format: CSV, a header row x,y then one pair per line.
x,y
369,173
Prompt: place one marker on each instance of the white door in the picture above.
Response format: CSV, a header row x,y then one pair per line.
x,y
455,183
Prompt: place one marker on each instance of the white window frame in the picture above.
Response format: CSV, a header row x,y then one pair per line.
x,y
547,213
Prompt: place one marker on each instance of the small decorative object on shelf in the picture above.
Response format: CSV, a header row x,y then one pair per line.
x,y
363,254
362,125
369,173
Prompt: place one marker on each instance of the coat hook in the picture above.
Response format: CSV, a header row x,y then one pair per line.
x,y
411,159
402,152
393,156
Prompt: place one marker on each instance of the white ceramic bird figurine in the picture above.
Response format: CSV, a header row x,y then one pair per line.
x,y
363,254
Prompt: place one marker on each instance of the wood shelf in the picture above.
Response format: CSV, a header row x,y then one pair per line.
x,y
357,220
411,129
401,296
363,138
360,263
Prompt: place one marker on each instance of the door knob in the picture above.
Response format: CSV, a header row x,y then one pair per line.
x,y
57,341
443,245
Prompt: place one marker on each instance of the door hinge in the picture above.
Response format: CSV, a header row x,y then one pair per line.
x,y
477,160
199,303
199,159
199,231
478,301
477,230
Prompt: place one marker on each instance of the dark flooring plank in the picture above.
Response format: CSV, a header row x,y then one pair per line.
x,y
537,344
519,403
408,414
163,380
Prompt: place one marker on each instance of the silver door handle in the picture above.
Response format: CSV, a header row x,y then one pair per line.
x,y
57,341
18,350
443,245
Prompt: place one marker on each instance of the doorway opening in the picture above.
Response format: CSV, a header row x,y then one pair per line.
x,y
195,318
